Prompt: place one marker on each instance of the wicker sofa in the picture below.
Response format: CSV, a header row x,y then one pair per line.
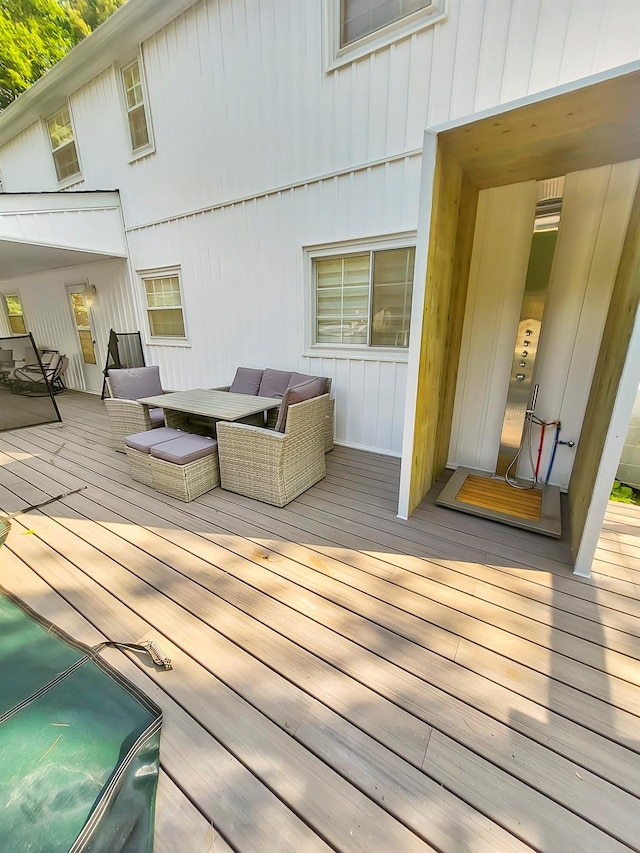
x,y
273,466
126,416
277,383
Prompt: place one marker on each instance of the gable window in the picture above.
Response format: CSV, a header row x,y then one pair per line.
x,y
163,298
15,314
364,298
135,106
355,28
63,145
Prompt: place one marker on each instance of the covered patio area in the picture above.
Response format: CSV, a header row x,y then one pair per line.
x,y
344,679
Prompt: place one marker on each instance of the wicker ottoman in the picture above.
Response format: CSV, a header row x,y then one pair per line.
x,y
185,467
137,447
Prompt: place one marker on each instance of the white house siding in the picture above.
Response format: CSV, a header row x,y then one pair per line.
x,y
247,291
629,468
242,111
89,222
52,326
26,164
594,217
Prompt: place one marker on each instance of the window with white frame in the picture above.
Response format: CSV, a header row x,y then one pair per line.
x,y
363,298
135,105
355,28
15,314
63,146
163,298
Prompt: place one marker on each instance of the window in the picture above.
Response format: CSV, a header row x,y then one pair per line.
x,y
164,305
356,28
364,298
361,17
135,105
15,315
63,145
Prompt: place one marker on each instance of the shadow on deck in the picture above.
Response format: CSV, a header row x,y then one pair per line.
x,y
344,679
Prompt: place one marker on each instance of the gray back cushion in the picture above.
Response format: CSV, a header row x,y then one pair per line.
x,y
300,378
246,381
274,382
298,394
131,383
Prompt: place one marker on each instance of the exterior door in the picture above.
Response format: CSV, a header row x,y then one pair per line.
x,y
81,311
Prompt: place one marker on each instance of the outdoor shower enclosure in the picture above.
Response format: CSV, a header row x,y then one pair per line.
x,y
570,130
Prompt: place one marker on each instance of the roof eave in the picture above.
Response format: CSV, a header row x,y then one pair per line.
x,y
115,40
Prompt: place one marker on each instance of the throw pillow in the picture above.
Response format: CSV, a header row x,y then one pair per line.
x,y
298,394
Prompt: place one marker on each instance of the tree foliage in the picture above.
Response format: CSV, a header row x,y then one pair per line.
x,y
35,34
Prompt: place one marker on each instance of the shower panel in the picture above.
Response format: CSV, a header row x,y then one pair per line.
x,y
500,496
543,243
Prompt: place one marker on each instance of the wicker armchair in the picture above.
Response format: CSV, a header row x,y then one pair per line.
x,y
126,415
272,416
329,419
275,467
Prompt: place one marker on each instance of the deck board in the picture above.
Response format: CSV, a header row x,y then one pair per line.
x,y
344,679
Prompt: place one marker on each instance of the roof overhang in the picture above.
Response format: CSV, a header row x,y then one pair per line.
x,y
117,40
582,125
41,231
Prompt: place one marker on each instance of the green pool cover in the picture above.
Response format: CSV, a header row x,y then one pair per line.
x,y
79,745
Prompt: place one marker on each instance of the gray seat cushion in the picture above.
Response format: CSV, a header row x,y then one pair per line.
x,y
274,382
246,381
185,449
298,394
144,441
156,417
131,383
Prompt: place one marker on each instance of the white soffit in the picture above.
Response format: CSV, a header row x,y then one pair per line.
x,y
40,231
18,259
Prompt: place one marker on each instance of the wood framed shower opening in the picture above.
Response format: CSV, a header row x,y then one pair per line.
x,y
591,123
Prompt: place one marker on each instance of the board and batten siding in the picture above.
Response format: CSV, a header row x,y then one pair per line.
x,y
54,328
88,222
593,223
248,293
259,152
240,102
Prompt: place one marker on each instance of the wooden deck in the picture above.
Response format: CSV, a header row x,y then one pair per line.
x,y
344,680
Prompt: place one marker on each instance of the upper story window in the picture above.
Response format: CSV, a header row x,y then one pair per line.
x,y
356,28
134,93
163,298
63,145
364,298
15,314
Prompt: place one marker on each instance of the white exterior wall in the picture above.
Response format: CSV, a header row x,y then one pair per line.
x,y
26,164
88,222
629,467
250,130
54,327
248,307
